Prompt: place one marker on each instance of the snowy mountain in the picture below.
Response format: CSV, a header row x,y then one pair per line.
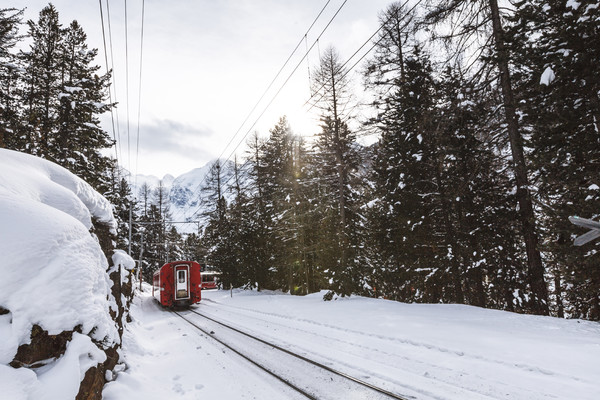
x,y
187,200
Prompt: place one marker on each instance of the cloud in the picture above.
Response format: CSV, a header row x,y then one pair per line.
x,y
168,136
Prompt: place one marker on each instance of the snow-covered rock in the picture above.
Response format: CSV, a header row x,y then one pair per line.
x,y
54,275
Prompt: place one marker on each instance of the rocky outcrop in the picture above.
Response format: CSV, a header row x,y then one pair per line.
x,y
122,285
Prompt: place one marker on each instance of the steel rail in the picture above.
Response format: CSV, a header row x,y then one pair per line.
x,y
281,379
308,360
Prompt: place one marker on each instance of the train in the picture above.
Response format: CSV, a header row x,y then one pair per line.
x,y
210,279
177,284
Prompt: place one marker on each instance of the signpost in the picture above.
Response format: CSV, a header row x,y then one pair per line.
x,y
594,232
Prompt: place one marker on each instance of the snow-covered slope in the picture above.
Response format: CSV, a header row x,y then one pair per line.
x,y
54,274
185,195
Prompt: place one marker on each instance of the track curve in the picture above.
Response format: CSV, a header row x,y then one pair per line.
x,y
303,385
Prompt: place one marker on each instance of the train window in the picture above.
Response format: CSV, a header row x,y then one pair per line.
x,y
181,276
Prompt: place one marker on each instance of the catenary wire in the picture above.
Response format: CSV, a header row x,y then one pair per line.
x,y
353,65
112,116
196,192
363,56
281,87
137,145
113,77
127,94
273,80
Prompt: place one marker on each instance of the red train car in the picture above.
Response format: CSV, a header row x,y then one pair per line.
x,y
177,284
210,279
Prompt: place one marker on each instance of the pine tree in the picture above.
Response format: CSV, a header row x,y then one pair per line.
x,y
153,241
560,105
256,229
337,159
277,163
54,97
401,215
469,22
121,198
80,139
217,237
42,83
10,76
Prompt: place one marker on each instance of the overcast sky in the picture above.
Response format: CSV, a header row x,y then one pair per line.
x,y
205,66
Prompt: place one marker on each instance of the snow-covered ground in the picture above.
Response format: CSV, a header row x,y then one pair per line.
x,y
416,350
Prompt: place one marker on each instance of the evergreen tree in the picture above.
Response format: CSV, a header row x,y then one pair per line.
x,y
401,214
42,81
175,248
337,160
560,106
257,227
469,21
123,202
79,138
10,76
54,100
277,163
217,237
153,242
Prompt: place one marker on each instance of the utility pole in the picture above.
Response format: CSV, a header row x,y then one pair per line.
x,y
140,260
130,226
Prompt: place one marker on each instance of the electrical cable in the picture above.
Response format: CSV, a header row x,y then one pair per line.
x,y
272,82
113,77
364,55
112,116
282,86
137,146
127,94
274,79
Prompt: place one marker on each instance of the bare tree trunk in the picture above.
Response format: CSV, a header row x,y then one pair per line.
x,y
539,303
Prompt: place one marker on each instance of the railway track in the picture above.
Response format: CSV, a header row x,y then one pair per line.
x,y
311,379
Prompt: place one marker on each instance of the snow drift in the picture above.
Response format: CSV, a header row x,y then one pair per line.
x,y
54,275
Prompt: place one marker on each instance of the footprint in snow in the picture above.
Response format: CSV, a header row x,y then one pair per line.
x,y
178,388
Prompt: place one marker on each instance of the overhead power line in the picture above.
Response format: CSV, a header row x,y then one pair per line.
x,y
271,84
351,57
287,79
137,145
113,77
127,92
364,55
275,78
112,116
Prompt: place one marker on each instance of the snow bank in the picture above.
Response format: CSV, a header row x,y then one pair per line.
x,y
122,260
27,177
54,273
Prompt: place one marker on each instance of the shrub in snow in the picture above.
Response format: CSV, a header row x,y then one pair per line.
x,y
59,312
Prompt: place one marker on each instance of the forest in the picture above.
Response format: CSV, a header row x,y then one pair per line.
x,y
488,125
